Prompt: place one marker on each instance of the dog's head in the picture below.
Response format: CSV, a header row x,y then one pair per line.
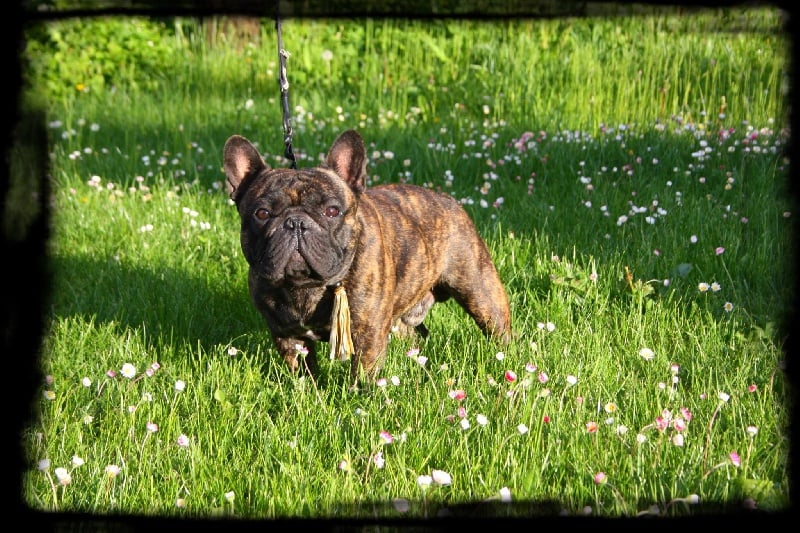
x,y
299,227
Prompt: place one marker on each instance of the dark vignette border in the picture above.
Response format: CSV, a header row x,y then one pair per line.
x,y
25,274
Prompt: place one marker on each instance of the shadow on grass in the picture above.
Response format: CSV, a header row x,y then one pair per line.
x,y
173,312
167,303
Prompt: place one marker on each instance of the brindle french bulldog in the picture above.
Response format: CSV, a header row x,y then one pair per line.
x,y
396,249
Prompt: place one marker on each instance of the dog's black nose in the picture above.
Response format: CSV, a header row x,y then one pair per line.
x,y
295,224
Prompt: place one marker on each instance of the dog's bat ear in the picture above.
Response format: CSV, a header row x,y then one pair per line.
x,y
348,158
240,159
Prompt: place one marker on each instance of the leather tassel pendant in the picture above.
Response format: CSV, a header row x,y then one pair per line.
x,y
341,341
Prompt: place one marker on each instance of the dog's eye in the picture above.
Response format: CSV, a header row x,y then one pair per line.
x,y
262,214
332,211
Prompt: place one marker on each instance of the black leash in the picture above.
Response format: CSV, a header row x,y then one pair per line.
x,y
341,340
284,84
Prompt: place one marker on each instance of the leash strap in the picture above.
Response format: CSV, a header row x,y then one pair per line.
x,y
284,84
340,339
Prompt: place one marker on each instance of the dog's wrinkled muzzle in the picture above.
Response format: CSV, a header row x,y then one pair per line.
x,y
300,253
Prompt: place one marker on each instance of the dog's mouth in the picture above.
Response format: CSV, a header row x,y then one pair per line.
x,y
302,260
298,272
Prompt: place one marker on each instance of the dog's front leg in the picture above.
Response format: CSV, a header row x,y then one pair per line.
x,y
369,341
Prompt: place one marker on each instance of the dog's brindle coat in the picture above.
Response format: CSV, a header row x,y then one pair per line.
x,y
396,249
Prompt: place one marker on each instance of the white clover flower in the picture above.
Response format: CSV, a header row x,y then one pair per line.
x,y
378,459
440,477
128,370
63,476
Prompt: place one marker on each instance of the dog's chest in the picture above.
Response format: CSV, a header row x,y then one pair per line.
x,y
297,313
